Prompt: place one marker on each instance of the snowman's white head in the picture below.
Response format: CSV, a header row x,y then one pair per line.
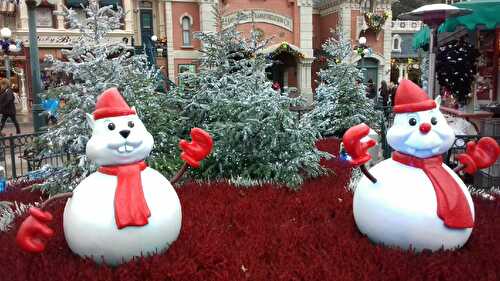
x,y
118,135
419,128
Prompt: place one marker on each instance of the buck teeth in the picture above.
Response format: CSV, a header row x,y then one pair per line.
x,y
121,149
129,148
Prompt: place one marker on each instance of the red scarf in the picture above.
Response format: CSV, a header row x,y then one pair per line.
x,y
452,205
131,208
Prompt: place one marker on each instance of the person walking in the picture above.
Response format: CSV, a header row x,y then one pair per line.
x,y
7,106
384,93
371,90
392,92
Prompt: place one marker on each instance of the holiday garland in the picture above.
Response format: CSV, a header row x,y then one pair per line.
x,y
376,22
284,47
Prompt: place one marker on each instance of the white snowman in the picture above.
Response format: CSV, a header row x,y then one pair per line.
x,y
413,200
125,209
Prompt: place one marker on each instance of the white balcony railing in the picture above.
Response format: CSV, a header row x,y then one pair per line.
x,y
406,25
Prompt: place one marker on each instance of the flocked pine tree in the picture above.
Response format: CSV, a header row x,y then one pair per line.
x,y
95,63
340,97
257,138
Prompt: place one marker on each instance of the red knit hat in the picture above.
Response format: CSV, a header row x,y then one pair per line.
x,y
411,98
111,104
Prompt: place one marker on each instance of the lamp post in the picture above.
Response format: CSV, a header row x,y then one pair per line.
x,y
8,46
36,82
362,50
433,15
154,40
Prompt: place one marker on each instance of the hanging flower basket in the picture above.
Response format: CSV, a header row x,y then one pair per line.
x,y
375,22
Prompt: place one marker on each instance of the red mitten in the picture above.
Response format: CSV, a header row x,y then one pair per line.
x,y
357,149
34,230
197,149
480,155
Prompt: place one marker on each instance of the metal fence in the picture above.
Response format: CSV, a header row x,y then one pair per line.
x,y
18,163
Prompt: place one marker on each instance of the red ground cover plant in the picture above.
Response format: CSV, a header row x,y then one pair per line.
x,y
266,233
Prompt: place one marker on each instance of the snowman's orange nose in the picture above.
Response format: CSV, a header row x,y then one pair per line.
x,y
425,128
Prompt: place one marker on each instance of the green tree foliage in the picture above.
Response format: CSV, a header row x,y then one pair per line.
x,y
257,138
94,64
341,101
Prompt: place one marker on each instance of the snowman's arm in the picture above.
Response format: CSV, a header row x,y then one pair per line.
x,y
478,155
193,152
34,231
357,143
180,173
56,197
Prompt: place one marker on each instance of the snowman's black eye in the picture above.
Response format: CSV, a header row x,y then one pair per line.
x,y
434,121
412,121
111,126
131,124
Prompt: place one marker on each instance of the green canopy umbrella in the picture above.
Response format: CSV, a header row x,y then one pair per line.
x,y
485,13
421,38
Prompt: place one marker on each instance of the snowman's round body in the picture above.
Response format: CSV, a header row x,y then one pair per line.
x,y
400,209
89,219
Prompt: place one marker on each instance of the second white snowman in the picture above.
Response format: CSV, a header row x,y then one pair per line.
x,y
413,200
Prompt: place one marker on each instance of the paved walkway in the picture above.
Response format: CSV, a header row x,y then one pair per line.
x,y
25,122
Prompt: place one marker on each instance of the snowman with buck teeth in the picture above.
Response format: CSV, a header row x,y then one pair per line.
x,y
125,209
413,200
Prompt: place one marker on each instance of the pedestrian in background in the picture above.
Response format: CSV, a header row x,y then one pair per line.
x,y
371,90
392,92
383,94
7,105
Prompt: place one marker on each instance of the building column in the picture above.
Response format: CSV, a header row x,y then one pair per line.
x,y
387,29
129,20
59,17
401,72
161,19
306,28
345,20
304,69
207,18
23,15
170,35
24,98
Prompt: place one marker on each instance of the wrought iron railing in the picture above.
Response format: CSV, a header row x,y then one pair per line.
x,y
17,163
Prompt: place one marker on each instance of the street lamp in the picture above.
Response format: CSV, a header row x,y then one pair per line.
x,y
433,15
36,82
362,50
8,46
154,40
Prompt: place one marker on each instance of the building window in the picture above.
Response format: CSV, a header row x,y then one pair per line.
x,y
81,14
366,5
8,20
45,16
146,5
396,43
184,68
76,4
186,31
